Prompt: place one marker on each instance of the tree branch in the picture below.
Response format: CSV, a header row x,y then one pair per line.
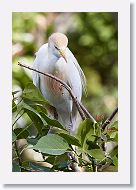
x,y
87,113
81,109
108,120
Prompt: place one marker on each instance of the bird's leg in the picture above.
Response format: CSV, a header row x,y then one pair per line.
x,y
74,165
52,113
55,114
70,126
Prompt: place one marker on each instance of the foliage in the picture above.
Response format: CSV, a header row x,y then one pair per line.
x,y
86,146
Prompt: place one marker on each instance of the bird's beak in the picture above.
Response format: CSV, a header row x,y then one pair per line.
x,y
62,53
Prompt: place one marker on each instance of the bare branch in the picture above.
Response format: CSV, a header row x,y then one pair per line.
x,y
108,120
81,109
88,115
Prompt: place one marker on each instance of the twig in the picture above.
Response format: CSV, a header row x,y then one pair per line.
x,y
108,120
87,113
82,110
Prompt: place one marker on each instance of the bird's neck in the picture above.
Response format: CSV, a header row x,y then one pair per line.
x,y
51,55
52,60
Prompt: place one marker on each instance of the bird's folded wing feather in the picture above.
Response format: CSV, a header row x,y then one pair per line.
x,y
39,64
35,75
82,76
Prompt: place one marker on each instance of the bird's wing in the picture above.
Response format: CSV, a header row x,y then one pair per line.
x,y
35,75
39,63
82,76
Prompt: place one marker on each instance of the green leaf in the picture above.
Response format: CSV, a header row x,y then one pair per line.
x,y
52,122
114,125
32,141
115,161
32,92
36,120
70,139
114,152
90,135
38,168
52,144
50,159
14,107
98,154
14,137
112,131
113,134
25,164
110,169
60,158
84,128
21,133
27,107
92,145
42,108
62,165
62,161
15,167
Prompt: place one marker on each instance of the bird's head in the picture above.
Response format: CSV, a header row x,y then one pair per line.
x,y
58,43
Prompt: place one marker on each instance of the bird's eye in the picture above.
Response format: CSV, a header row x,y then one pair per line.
x,y
56,47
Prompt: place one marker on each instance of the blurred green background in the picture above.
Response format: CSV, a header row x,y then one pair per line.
x,y
93,38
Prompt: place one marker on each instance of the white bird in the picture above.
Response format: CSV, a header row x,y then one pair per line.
x,y
55,58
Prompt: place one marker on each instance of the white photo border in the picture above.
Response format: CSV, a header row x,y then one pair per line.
x,y
123,9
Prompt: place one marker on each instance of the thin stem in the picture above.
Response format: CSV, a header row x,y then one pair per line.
x,y
87,113
82,110
108,120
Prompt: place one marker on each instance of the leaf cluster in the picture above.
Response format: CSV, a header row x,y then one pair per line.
x,y
88,146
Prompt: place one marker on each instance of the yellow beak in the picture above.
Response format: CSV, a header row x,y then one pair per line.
x,y
63,54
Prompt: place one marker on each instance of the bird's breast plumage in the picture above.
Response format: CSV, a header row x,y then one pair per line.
x,y
54,86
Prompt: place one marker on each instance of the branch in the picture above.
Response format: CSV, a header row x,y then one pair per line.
x,y
81,109
87,113
108,120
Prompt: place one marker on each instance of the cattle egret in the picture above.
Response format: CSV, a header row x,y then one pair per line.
x,y
55,58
